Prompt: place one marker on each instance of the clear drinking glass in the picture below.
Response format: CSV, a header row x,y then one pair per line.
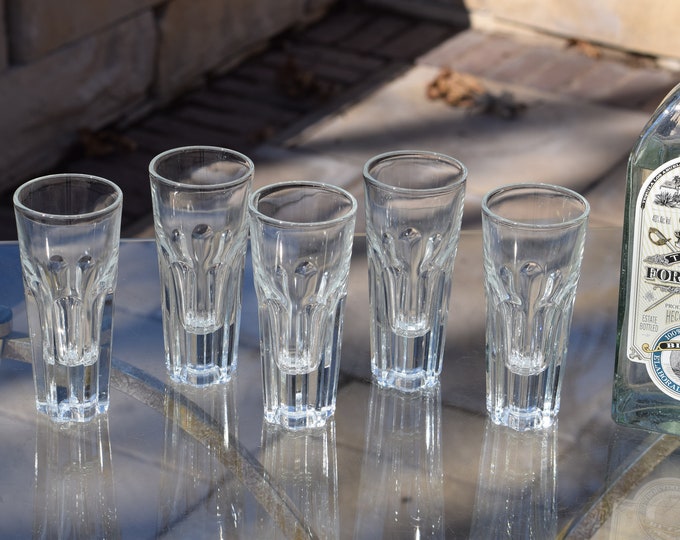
x,y
414,208
534,236
199,199
68,228
301,237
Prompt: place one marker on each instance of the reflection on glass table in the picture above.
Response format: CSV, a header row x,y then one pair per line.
x,y
401,489
193,479
304,464
74,492
182,459
517,481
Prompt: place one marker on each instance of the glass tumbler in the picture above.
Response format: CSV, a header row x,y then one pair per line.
x,y
533,236
414,209
199,196
301,236
68,227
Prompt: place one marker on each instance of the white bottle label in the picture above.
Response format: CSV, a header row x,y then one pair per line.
x,y
654,317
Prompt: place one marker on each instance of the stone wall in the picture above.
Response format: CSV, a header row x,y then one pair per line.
x,y
646,27
83,64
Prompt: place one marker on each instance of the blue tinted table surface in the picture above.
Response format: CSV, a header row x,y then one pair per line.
x,y
174,462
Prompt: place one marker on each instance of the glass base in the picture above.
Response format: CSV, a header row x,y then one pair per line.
x,y
408,363
522,420
72,411
201,359
310,419
201,377
405,381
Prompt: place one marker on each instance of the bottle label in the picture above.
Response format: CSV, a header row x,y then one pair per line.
x,y
654,317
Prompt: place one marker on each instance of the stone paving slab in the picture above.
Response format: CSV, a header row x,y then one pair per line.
x,y
556,140
302,76
607,197
552,65
276,164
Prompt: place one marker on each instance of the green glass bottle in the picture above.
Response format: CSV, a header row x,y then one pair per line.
x,y
647,379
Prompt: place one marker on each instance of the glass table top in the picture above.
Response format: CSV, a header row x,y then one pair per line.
x,y
175,462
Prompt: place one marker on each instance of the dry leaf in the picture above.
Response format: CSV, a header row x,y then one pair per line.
x,y
467,91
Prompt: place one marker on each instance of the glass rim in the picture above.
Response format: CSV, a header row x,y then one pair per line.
x,y
50,179
259,193
537,187
396,155
242,158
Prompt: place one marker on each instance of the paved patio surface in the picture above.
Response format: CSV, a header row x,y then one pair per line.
x,y
318,102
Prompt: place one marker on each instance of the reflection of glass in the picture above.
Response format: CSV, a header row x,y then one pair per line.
x,y
199,496
74,494
401,492
517,483
304,466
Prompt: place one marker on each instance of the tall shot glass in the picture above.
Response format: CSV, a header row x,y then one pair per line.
x,y
199,199
534,235
301,238
68,227
414,208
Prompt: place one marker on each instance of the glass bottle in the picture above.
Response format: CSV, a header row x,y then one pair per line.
x,y
647,377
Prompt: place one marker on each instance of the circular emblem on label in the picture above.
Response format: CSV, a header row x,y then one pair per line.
x,y
664,367
657,505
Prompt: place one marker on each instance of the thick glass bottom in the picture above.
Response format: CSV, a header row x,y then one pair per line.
x,y
201,376
72,411
202,359
412,381
306,419
522,419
